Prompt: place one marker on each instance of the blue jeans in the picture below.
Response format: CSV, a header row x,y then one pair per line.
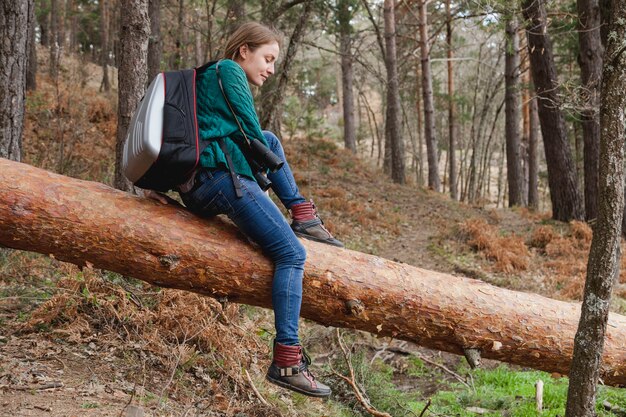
x,y
257,217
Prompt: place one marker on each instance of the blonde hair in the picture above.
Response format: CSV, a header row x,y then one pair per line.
x,y
253,35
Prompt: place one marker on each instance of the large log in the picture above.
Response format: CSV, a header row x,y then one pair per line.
x,y
80,221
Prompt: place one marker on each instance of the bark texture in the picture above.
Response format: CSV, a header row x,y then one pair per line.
x,y
179,58
564,193
393,121
155,44
533,166
104,47
451,108
132,75
347,74
512,114
80,221
14,23
590,61
604,255
55,44
31,69
429,108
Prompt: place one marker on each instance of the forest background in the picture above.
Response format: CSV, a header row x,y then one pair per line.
x,y
439,95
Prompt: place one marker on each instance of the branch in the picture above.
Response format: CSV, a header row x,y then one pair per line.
x,y
351,381
379,37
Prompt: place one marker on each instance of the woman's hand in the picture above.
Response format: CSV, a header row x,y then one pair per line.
x,y
155,196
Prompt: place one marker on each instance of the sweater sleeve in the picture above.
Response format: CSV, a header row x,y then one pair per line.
x,y
239,95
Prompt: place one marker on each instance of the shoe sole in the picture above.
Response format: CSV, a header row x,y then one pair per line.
x,y
317,239
298,390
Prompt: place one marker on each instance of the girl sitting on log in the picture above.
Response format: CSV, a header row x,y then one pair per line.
x,y
228,184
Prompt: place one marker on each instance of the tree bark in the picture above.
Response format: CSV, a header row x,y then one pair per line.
x,y
85,222
347,74
43,20
533,167
512,114
235,15
429,109
393,122
71,16
132,75
179,56
271,112
564,193
155,46
14,24
604,256
31,68
55,48
104,46
590,61
454,194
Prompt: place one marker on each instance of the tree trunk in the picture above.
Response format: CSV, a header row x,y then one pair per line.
x,y
104,47
590,61
132,75
271,111
200,57
179,56
429,109
347,74
154,44
451,108
43,20
420,123
512,114
86,222
533,168
31,68
393,120
236,14
564,193
72,18
526,98
604,256
55,49
14,24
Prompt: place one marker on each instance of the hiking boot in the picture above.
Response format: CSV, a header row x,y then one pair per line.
x,y
307,224
290,369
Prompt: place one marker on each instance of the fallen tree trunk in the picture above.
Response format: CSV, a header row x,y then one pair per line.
x,y
80,221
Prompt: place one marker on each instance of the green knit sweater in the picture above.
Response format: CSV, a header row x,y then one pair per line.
x,y
215,119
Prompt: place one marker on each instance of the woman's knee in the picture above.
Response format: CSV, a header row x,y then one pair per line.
x,y
293,253
272,140
270,136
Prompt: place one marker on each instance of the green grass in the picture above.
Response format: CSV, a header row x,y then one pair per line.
x,y
498,392
503,391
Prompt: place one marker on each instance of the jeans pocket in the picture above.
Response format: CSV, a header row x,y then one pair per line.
x,y
219,204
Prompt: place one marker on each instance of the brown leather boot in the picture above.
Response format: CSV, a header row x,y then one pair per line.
x,y
307,224
290,369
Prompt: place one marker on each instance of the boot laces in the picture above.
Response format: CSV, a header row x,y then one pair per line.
x,y
314,208
304,365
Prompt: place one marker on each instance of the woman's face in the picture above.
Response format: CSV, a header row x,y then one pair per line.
x,y
258,64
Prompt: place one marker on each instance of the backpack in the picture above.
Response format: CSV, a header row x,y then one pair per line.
x,y
162,147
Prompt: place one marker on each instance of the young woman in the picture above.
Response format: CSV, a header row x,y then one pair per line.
x,y
223,91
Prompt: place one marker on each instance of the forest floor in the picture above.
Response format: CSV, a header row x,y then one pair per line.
x,y
92,343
